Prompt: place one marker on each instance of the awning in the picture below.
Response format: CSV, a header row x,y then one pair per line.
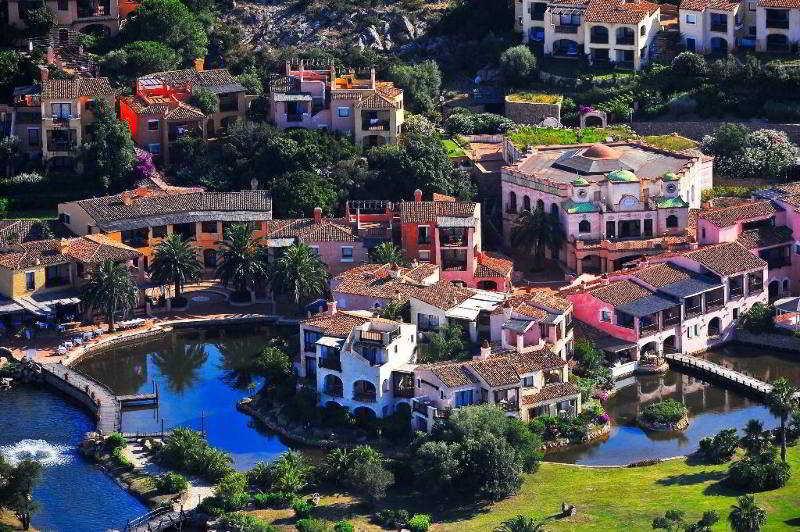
x,y
329,341
470,308
9,307
42,304
647,305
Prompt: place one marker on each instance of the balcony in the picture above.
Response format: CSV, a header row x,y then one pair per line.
x,y
375,125
648,329
719,27
365,397
779,262
294,117
334,390
566,28
406,392
714,304
625,41
754,289
781,24
509,406
228,106
537,15
333,364
691,312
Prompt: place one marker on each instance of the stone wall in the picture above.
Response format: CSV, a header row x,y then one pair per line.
x,y
781,342
697,129
531,112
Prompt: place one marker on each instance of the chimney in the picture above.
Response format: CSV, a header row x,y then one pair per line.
x,y
63,245
331,307
126,198
44,73
254,184
199,64
418,195
317,215
486,351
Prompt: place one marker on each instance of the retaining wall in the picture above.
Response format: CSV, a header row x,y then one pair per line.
x,y
70,390
531,112
782,342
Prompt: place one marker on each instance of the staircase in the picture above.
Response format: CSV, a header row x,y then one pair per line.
x,y
665,47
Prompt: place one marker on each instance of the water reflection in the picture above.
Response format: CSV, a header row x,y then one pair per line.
x,y
180,363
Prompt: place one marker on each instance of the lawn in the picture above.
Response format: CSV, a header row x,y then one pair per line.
x,y
541,136
453,150
670,142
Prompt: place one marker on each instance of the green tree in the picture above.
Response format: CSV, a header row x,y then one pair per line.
x,y
16,489
746,515
251,81
362,470
109,152
10,154
394,310
301,191
110,290
782,400
518,64
675,520
274,365
243,261
205,100
446,344
40,20
299,273
175,262
758,319
755,440
138,58
169,22
421,84
290,472
537,231
521,523
388,253
231,491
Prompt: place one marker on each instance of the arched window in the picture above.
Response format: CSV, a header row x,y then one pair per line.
x,y
526,203
554,209
512,202
786,285
625,35
540,205
598,35
584,226
672,221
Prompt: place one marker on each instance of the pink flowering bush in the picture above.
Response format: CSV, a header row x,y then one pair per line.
x,y
143,167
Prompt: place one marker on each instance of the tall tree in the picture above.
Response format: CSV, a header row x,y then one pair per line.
x,y
421,84
782,400
537,231
110,151
300,273
387,253
16,487
755,440
175,262
110,290
243,260
746,515
169,22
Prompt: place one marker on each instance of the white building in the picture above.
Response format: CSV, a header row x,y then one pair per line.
x,y
716,26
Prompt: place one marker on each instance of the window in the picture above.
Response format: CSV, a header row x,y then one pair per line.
x,y
208,227
423,234
64,218
703,232
89,105
691,18
526,203
155,148
152,125
672,221
347,253
605,315
427,322
648,227
34,136
642,31
512,202
61,110
342,112
309,340
736,313
584,226
159,231
424,255
751,6
527,382
30,281
463,398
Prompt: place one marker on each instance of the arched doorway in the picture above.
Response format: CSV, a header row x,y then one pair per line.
x,y
714,327
526,203
364,413
719,46
670,345
590,264
364,391
210,258
650,349
774,290
565,48
540,205
487,285
333,386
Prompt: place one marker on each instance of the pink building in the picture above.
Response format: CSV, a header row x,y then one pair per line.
x,y
528,321
615,202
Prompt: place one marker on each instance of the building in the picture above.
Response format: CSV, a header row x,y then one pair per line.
x,y
357,361
373,286
680,302
368,110
336,241
42,277
98,17
616,32
161,109
141,218
615,201
525,385
777,25
716,26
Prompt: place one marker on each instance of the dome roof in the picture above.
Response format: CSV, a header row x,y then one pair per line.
x,y
601,151
622,176
670,176
580,182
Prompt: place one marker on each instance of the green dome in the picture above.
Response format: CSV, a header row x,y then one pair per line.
x,y
580,182
670,176
622,176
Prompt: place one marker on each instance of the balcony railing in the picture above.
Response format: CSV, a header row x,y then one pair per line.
x,y
136,242
755,289
736,293
375,125
365,397
778,23
564,28
714,305
719,28
537,15
509,406
669,321
781,262
646,330
333,364
693,311
420,406
598,39
406,392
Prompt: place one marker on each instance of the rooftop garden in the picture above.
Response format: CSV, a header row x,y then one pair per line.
x,y
524,136
452,148
670,142
535,97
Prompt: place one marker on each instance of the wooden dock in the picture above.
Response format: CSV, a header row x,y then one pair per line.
x,y
159,519
137,399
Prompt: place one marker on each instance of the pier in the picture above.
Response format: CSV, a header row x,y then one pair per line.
x,y
140,400
159,519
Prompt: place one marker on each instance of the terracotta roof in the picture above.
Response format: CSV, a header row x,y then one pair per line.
x,y
337,325
184,111
550,392
728,216
453,373
702,5
662,274
619,11
490,265
726,259
507,369
767,236
786,4
71,89
443,295
377,101
387,88
428,211
376,281
620,292
31,230
536,299
89,249
210,79
420,272
328,230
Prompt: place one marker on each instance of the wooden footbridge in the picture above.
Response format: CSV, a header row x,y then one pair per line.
x,y
159,519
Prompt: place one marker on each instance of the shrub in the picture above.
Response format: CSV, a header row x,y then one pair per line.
x,y
759,472
273,499
721,447
302,509
243,522
758,320
114,440
343,526
391,519
667,411
172,483
27,178
120,459
518,64
205,100
362,470
186,450
231,491
311,525
419,523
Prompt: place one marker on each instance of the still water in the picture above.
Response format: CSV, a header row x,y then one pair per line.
x,y
200,376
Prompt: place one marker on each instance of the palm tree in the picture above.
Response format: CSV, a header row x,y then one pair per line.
x,y
110,290
387,253
755,440
521,523
299,272
782,400
537,231
175,262
746,516
243,260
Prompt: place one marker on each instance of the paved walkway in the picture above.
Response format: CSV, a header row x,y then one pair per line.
x,y
108,410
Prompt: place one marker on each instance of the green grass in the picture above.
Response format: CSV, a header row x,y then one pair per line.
x,y
453,150
535,97
540,136
670,142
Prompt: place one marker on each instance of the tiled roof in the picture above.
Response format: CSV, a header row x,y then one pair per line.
x,y
419,272
147,202
210,79
328,230
387,88
443,295
70,89
89,249
30,230
785,4
619,11
376,281
620,292
184,111
337,325
702,5
493,266
428,211
662,274
507,368
763,237
726,259
728,216
453,373
377,101
524,303
550,392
